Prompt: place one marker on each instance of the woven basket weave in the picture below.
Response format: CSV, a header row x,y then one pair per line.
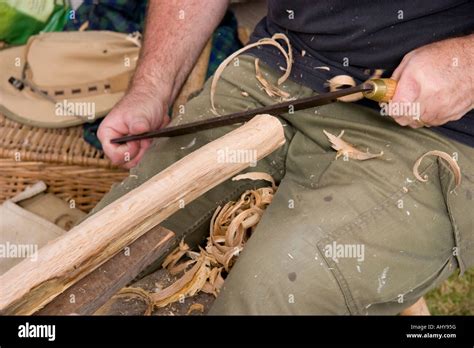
x,y
84,185
70,167
64,145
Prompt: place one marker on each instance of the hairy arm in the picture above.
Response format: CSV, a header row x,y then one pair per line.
x,y
176,32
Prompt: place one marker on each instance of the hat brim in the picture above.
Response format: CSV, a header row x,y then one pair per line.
x,y
27,108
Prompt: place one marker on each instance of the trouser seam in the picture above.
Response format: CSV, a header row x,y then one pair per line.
x,y
452,218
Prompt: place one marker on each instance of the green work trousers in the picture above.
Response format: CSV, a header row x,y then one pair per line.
x,y
341,236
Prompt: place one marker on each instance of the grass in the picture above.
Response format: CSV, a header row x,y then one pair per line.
x,y
455,296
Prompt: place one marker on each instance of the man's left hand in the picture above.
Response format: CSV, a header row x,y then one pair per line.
x,y
440,77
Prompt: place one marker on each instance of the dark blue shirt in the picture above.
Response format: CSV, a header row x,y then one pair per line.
x,y
356,37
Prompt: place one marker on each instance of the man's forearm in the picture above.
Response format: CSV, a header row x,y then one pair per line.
x,y
176,32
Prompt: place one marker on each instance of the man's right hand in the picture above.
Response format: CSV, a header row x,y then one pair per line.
x,y
132,115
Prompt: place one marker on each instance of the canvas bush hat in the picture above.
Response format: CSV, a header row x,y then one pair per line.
x,y
63,79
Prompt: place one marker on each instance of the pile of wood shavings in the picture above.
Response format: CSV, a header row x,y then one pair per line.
x,y
230,228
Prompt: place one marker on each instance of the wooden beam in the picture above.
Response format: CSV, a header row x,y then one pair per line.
x,y
95,289
29,286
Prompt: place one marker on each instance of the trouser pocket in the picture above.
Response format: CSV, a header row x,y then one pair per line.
x,y
394,247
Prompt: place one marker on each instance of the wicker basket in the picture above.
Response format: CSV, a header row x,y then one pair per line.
x,y
64,145
84,185
61,158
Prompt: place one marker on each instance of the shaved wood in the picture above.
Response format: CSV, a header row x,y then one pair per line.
x,y
377,74
230,228
339,82
256,176
343,81
271,90
452,164
84,26
94,290
188,285
345,149
129,292
195,307
265,41
29,286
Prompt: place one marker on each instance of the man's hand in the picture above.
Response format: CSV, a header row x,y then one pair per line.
x,y
440,78
132,115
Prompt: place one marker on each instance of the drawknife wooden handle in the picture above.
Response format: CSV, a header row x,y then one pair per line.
x,y
383,90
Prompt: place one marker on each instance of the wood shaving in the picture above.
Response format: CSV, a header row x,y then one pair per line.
x,y
347,150
138,293
195,307
288,54
256,176
343,81
231,226
270,89
452,164
377,74
188,285
322,68
175,256
84,26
